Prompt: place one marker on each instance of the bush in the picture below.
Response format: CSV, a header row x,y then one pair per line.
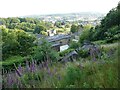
x,y
83,53
84,36
9,62
16,42
74,45
45,52
73,75
65,52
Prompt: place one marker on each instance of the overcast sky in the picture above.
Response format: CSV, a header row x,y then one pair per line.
x,y
13,8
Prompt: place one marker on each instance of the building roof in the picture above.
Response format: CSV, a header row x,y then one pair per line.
x,y
70,54
57,37
63,47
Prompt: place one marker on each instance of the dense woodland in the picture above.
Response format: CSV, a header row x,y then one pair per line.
x,y
25,64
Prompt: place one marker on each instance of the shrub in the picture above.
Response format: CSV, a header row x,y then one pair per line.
x,y
65,52
45,52
8,64
73,75
83,53
74,45
84,36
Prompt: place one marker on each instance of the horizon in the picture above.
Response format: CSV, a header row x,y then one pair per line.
x,y
21,8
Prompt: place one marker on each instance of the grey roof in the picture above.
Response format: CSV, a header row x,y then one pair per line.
x,y
70,54
57,44
54,38
38,35
57,37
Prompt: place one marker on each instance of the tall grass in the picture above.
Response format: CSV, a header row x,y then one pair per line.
x,y
83,73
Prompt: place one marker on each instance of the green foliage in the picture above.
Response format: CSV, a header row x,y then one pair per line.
x,y
88,26
99,42
109,27
84,36
113,34
26,24
58,24
73,76
45,52
74,28
74,45
87,34
65,52
83,53
44,33
39,28
16,42
67,26
60,30
8,63
102,73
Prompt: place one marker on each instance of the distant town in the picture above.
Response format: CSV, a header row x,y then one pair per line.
x,y
82,18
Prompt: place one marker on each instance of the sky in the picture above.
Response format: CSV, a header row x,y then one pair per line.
x,y
15,8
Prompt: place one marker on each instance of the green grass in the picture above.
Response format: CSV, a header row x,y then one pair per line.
x,y
83,73
9,62
12,59
100,42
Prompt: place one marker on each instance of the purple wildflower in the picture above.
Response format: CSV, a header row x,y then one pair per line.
x,y
46,65
20,68
49,72
17,71
10,80
32,67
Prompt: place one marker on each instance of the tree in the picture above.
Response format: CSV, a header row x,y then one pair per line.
x,y
39,28
26,42
74,28
84,36
67,26
109,23
16,42
45,52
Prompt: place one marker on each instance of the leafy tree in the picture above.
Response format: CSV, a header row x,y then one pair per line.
x,y
67,26
45,52
86,35
57,24
15,20
109,26
74,28
2,21
39,28
25,42
16,42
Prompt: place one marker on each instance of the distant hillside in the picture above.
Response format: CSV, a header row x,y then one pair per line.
x,y
81,14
